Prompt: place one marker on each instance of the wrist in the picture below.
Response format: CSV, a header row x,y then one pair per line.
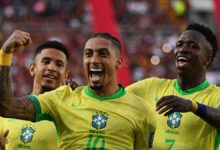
x,y
5,58
201,111
194,106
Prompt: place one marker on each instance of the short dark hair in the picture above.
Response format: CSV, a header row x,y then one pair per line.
x,y
110,37
207,32
53,44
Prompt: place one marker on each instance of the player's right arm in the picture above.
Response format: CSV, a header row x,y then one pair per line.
x,y
21,108
171,103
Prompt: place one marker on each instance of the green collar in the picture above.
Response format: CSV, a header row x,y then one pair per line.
x,y
200,87
117,94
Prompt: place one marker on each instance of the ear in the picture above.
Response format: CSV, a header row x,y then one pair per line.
x,y
66,75
209,61
31,69
119,63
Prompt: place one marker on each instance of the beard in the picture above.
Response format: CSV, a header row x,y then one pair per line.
x,y
96,87
46,89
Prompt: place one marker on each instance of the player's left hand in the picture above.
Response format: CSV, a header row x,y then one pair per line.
x,y
71,82
3,139
171,104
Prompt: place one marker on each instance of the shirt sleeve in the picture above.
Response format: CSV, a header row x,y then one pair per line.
x,y
46,104
216,98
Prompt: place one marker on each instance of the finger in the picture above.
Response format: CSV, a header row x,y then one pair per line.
x,y
170,112
167,107
28,41
26,38
73,82
163,99
21,38
163,103
6,133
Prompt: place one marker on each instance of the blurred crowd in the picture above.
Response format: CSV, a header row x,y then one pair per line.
x,y
149,29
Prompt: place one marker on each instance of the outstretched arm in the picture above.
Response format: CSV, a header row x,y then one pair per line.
x,y
170,104
21,108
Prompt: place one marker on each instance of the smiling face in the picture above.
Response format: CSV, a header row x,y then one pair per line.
x,y
101,60
192,53
49,70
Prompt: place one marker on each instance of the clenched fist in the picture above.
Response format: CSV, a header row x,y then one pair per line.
x,y
16,42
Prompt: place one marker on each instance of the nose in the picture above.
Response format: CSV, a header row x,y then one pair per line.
x,y
51,66
184,48
95,58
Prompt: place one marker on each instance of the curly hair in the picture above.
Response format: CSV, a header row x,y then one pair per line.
x,y
207,32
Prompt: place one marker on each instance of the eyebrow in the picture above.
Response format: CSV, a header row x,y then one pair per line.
x,y
99,49
188,41
51,59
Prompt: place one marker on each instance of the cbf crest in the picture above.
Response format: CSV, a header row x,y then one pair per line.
x,y
27,134
99,120
174,120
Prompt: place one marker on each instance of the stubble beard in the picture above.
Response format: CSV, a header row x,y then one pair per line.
x,y
46,89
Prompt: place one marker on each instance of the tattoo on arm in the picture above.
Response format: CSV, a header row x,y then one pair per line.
x,y
20,108
5,82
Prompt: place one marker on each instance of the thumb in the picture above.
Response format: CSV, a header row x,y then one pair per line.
x,y
6,133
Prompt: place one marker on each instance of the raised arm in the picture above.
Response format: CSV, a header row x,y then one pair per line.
x,y
170,104
21,108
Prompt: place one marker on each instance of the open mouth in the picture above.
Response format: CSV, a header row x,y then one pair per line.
x,y
96,74
183,60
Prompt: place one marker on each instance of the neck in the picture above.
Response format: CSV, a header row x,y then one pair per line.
x,y
187,83
106,90
37,90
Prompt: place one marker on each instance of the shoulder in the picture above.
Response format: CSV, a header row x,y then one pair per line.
x,y
149,81
62,91
210,95
213,89
139,105
143,87
135,100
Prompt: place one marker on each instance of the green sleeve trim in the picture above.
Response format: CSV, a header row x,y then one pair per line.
x,y
43,116
36,106
39,115
200,87
117,94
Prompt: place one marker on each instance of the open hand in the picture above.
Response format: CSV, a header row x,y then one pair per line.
x,y
71,82
171,104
